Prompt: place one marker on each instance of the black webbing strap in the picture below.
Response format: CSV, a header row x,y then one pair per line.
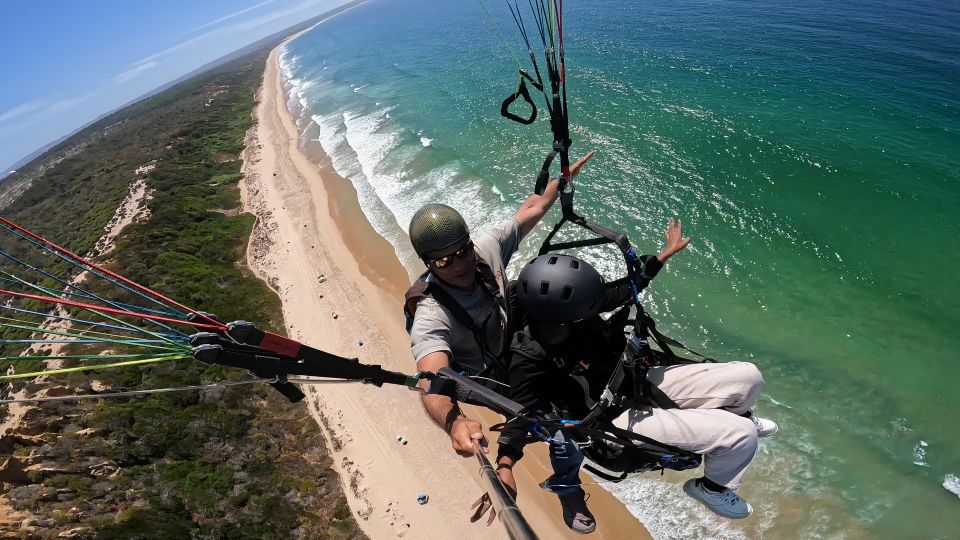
x,y
307,361
210,348
605,475
444,299
544,175
625,437
664,342
523,92
466,390
606,234
645,394
315,363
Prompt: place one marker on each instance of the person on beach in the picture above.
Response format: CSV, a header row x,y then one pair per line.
x,y
458,311
565,335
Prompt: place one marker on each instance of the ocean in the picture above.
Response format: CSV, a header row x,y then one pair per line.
x,y
812,150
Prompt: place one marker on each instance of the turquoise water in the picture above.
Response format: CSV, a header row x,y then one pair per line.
x,y
813,152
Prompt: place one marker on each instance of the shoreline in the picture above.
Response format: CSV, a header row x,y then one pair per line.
x,y
313,244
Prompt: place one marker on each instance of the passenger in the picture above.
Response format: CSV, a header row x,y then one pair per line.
x,y
562,297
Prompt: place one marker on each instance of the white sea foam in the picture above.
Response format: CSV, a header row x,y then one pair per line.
x,y
372,151
357,144
920,454
331,136
499,193
371,136
376,154
952,484
668,513
777,403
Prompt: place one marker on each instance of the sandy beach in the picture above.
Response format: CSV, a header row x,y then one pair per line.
x,y
341,286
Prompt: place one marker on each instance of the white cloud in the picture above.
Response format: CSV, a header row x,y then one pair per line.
x,y
34,111
230,16
69,103
138,69
20,110
146,63
274,15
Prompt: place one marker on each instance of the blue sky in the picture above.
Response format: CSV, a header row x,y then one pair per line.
x,y
66,62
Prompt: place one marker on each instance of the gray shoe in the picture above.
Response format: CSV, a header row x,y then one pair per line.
x,y
575,512
724,503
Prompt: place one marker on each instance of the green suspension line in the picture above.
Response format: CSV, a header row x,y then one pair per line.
x,y
156,359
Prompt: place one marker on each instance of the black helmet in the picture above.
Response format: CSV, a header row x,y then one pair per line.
x,y
435,227
560,289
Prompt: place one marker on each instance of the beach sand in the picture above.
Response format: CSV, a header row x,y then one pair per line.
x,y
341,283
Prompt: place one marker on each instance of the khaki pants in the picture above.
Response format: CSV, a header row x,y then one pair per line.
x,y
711,397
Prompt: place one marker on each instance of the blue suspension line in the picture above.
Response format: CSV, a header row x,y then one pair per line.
x,y
82,321
179,314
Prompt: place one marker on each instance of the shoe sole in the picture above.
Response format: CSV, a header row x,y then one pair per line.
x,y
689,488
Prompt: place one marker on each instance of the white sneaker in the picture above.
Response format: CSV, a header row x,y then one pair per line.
x,y
765,427
725,503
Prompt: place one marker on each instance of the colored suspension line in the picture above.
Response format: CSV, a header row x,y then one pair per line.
x,y
173,341
80,356
80,321
53,341
87,333
132,392
13,279
55,292
69,285
146,344
98,309
77,261
171,389
496,27
91,268
60,371
91,339
157,297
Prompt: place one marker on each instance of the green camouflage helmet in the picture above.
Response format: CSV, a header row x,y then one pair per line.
x,y
435,227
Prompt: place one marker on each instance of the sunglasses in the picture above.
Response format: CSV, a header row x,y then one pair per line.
x,y
462,253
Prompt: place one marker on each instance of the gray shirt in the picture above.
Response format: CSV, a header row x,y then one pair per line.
x,y
436,329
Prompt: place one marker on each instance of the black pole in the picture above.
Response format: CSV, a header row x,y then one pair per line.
x,y
516,525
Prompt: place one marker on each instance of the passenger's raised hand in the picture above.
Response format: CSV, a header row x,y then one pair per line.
x,y
675,240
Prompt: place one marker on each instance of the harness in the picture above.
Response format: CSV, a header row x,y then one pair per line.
x,y
622,452
615,452
426,287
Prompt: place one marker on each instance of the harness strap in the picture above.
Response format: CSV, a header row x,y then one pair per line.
x,y
425,287
664,342
625,437
650,395
447,301
605,475
544,175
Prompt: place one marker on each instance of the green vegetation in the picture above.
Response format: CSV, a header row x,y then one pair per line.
x,y
235,462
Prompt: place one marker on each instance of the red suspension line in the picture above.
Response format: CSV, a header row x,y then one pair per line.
x,y
50,299
558,8
114,275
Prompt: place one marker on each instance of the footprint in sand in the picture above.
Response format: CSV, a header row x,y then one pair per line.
x,y
396,519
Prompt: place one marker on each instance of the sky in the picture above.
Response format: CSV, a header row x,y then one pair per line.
x,y
64,63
